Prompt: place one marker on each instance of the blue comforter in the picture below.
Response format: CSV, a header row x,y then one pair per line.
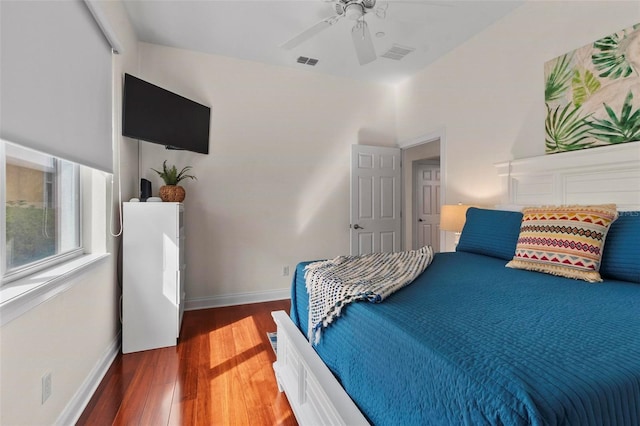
x,y
472,342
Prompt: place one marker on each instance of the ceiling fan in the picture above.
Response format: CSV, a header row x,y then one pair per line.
x,y
354,10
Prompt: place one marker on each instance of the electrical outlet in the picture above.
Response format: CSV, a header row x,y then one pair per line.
x,y
285,271
46,387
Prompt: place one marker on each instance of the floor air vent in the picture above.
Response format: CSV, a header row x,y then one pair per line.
x,y
307,61
397,52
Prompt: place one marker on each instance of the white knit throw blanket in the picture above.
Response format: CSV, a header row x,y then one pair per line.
x,y
333,284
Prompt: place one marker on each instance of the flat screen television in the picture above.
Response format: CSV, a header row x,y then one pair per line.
x,y
154,114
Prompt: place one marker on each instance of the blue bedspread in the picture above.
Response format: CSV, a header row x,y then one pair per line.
x,y
472,342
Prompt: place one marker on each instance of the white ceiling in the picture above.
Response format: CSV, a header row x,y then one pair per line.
x,y
254,30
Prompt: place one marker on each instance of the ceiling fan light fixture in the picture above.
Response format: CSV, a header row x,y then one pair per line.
x,y
354,11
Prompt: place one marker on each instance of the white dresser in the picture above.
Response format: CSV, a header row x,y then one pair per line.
x,y
153,271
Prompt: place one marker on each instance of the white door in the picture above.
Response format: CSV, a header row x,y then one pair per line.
x,y
376,224
427,207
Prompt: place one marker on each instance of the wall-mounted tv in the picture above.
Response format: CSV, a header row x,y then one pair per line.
x,y
154,114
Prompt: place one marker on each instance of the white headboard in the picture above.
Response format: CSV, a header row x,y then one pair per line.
x,y
592,176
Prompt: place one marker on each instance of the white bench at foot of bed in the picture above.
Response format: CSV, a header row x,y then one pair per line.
x,y
313,392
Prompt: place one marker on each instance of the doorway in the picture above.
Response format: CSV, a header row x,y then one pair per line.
x,y
420,197
426,204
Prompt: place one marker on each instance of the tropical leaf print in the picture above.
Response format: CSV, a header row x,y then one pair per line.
x,y
589,94
612,59
565,129
625,128
557,82
583,85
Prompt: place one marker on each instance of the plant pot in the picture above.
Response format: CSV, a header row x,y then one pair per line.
x,y
172,193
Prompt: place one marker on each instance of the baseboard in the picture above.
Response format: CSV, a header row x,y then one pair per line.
x,y
78,403
236,299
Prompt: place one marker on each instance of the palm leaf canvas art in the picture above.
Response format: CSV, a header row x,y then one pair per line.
x,y
592,94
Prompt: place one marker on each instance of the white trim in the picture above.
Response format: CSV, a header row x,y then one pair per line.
x,y
427,137
619,155
20,296
78,403
592,176
236,299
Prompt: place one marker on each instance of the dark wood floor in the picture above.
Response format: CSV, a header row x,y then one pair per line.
x,y
219,374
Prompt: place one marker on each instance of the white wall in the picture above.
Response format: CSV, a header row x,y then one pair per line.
x,y
66,336
70,334
489,93
274,189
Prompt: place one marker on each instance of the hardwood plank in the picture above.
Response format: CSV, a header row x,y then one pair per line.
x,y
252,374
135,396
219,365
168,364
219,373
184,403
183,412
204,406
157,408
101,411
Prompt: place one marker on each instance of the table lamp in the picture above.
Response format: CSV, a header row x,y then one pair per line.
x,y
452,218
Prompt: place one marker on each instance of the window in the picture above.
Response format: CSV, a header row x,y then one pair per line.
x,y
42,220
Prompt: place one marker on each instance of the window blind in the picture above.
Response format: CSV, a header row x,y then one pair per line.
x,y
55,81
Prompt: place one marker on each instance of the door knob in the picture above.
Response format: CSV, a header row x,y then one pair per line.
x,y
356,226
420,220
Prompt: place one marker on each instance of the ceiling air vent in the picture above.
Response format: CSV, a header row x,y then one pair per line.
x,y
307,61
397,52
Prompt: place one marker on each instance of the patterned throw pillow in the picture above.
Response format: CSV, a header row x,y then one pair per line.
x,y
564,240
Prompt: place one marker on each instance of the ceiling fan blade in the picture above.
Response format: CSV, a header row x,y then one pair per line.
x,y
363,43
381,11
310,32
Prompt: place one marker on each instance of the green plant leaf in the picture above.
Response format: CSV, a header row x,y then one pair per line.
x,y
618,129
583,85
558,79
565,129
612,56
171,176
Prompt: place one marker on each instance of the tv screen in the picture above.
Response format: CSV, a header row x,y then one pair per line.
x,y
154,114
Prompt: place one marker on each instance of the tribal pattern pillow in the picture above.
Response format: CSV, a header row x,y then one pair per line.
x,y
564,240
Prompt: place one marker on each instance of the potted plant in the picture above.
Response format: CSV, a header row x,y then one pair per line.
x,y
171,191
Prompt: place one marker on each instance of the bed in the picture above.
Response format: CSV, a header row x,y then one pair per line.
x,y
472,342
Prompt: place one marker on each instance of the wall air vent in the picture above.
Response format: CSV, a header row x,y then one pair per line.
x,y
397,52
307,61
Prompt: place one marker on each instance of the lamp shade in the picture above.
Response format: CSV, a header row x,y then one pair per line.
x,y
453,216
